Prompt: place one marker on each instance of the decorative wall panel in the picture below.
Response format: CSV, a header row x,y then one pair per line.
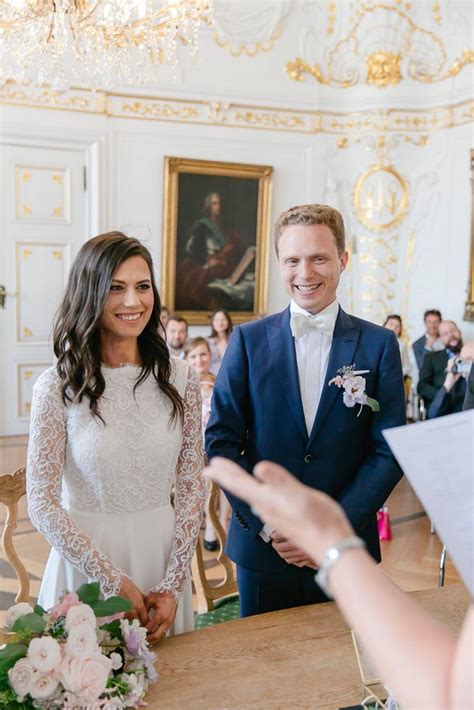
x,y
27,374
42,194
42,271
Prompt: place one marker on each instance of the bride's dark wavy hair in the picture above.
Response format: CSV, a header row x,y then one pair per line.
x,y
77,324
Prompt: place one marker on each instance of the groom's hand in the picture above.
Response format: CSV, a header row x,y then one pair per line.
x,y
292,554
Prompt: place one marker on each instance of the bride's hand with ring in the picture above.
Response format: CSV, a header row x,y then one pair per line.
x,y
129,590
164,606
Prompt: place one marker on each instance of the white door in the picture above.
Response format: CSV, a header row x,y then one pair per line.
x,y
43,224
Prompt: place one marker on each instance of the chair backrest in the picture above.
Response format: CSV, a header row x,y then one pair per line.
x,y
208,594
12,488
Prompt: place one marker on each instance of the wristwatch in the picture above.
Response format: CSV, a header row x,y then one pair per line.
x,y
330,558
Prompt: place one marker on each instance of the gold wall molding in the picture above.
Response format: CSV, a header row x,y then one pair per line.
x,y
249,50
380,39
238,115
380,197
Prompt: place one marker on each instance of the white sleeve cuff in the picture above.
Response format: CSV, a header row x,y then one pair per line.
x,y
265,532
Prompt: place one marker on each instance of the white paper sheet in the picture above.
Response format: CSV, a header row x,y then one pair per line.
x,y
437,457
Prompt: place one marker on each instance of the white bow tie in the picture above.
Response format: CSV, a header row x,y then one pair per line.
x,y
301,324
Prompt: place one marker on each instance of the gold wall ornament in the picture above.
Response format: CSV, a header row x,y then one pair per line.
x,y
383,68
158,110
268,120
250,50
381,38
378,256
380,197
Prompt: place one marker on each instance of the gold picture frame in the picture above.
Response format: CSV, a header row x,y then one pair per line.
x,y
469,307
216,222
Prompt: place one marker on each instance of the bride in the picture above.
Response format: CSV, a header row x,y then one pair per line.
x,y
113,423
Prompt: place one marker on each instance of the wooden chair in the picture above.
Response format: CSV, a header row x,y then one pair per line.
x,y
12,488
216,602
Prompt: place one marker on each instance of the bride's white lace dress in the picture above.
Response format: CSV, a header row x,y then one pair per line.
x,y
100,494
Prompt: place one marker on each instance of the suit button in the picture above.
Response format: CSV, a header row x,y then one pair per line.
x,y
308,458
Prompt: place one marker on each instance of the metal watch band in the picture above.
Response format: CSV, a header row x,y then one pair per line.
x,y
332,556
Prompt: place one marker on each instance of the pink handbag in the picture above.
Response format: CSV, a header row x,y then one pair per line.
x,y
383,522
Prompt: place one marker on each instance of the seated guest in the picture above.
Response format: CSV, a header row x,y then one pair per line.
x,y
420,660
409,367
176,336
221,325
430,341
164,316
437,384
452,395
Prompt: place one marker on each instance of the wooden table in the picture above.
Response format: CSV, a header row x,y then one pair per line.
x,y
297,659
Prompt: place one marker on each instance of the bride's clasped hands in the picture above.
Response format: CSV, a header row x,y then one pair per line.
x,y
155,610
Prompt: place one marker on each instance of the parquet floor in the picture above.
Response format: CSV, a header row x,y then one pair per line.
x,y
411,558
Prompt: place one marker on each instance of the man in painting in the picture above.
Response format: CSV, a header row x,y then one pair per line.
x,y
213,249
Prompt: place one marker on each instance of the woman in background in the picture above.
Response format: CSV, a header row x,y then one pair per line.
x,y
221,328
112,423
409,367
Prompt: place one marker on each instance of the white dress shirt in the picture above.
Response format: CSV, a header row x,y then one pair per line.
x,y
312,358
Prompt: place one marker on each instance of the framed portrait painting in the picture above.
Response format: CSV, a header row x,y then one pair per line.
x,y
216,221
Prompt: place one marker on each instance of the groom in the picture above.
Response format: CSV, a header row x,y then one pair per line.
x,y
273,400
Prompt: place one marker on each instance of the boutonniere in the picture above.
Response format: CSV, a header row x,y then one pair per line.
x,y
354,388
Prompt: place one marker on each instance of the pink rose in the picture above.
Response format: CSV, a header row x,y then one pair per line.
x,y
87,677
64,605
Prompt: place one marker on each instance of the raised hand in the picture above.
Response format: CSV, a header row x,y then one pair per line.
x,y
311,520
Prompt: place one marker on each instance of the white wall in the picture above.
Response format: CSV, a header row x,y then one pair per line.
x,y
129,194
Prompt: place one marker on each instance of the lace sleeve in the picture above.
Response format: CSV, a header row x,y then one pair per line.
x,y
44,470
189,492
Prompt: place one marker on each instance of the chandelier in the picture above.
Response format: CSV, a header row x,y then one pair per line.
x,y
95,43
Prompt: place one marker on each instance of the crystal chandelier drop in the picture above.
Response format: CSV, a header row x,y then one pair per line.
x,y
95,43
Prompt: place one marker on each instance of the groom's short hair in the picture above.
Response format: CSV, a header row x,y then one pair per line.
x,y
313,214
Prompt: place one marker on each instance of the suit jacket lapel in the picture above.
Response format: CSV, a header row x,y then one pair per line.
x,y
283,354
344,342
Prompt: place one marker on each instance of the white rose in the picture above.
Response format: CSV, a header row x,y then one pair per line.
x,y
15,611
86,678
21,677
79,615
44,653
81,641
135,689
43,686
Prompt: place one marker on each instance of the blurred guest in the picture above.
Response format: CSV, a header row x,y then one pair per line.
x,y
421,660
452,395
440,384
409,368
164,316
221,325
430,341
176,336
198,354
467,353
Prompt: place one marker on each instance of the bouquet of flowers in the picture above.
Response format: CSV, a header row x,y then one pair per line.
x,y
82,653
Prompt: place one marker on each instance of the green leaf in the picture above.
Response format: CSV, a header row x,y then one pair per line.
x,y
114,629
30,622
10,655
89,593
112,605
39,610
373,404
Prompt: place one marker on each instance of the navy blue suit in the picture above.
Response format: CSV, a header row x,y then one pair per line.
x,y
257,414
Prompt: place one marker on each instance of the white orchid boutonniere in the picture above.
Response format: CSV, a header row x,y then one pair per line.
x,y
354,388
